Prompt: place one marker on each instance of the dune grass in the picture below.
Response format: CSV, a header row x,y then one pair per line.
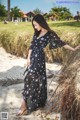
x,y
27,26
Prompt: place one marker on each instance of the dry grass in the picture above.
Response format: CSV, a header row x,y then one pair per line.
x,y
16,38
67,95
70,101
14,43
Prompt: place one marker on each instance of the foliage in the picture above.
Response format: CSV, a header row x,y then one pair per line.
x,y
37,11
61,13
15,12
2,18
3,12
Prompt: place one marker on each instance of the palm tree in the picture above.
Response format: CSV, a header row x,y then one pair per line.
x,y
8,6
15,12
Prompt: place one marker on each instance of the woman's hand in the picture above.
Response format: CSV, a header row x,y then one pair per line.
x,y
28,58
28,62
76,48
71,48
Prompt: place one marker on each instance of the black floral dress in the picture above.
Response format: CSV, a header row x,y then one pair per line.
x,y
35,81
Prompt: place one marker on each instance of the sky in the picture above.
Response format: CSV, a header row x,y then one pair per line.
x,y
46,5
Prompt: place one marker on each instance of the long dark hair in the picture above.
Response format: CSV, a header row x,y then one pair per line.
x,y
42,22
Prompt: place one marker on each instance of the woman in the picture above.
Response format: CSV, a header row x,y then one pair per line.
x,y
35,82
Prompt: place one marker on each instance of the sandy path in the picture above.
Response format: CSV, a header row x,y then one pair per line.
x,y
11,85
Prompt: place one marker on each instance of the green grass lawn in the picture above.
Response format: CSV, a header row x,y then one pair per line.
x,y
21,27
65,26
65,23
27,26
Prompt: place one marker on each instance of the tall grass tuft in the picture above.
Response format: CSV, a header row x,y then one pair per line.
x,y
15,43
18,44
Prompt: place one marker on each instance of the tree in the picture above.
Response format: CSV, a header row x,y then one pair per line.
x,y
8,5
37,11
3,12
78,16
62,13
15,12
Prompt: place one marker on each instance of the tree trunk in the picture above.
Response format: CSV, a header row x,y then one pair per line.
x,y
8,6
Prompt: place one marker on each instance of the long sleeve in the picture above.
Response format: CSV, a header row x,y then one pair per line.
x,y
55,41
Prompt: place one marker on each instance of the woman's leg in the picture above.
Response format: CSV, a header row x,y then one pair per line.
x,y
23,105
22,108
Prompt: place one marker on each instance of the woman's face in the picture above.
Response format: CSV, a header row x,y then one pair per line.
x,y
37,26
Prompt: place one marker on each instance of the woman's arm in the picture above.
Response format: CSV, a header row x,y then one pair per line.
x,y
71,48
28,58
56,42
29,53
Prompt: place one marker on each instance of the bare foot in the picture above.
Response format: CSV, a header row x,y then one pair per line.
x,y
23,105
22,112
23,108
